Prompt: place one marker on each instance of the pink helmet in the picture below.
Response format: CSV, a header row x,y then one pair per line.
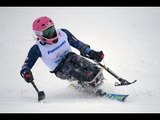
x,y
40,25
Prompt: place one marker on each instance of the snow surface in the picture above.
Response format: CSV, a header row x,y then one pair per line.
x,y
129,37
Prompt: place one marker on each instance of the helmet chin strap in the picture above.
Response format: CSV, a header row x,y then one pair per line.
x,y
43,42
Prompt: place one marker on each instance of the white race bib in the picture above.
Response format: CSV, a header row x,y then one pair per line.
x,y
53,54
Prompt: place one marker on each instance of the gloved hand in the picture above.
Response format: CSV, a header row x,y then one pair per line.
x,y
27,75
98,56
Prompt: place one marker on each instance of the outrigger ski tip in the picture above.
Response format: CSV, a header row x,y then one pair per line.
x,y
121,80
124,82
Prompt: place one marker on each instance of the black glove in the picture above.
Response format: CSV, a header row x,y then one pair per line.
x,y
98,56
27,75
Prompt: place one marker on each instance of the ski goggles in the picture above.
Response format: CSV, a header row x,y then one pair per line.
x,y
49,33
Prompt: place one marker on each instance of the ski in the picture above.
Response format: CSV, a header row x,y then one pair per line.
x,y
100,93
118,97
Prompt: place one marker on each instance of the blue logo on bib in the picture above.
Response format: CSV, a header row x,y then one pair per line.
x,y
56,48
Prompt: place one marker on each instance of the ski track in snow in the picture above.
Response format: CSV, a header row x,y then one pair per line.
x,y
129,37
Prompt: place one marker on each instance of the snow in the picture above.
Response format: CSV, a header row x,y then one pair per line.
x,y
129,37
